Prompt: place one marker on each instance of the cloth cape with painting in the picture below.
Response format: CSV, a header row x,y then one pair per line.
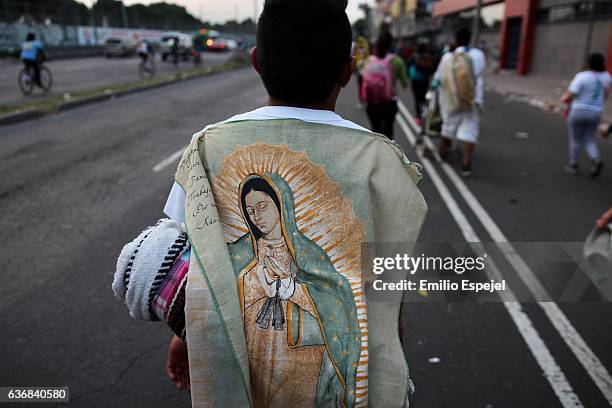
x,y
275,296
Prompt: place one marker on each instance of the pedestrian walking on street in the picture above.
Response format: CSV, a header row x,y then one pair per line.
x,y
420,68
586,96
380,75
145,51
460,77
258,269
361,53
404,51
174,51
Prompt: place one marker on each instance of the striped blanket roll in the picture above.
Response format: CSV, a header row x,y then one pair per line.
x,y
151,275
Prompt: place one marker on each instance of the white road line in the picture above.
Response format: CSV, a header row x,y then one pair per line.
x,y
168,160
591,363
517,262
462,222
404,111
552,372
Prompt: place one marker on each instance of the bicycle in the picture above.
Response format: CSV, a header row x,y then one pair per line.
x,y
26,80
146,68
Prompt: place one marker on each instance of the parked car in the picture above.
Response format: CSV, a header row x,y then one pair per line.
x,y
119,47
185,46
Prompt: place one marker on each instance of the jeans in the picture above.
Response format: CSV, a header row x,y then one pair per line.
x,y
382,117
582,125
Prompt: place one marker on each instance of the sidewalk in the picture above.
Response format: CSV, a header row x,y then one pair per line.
x,y
543,92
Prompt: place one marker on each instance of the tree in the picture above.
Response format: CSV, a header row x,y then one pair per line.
x,y
162,16
66,12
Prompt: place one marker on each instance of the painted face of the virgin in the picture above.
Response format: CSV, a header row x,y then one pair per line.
x,y
263,212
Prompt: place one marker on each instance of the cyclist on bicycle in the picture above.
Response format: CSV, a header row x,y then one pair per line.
x,y
144,51
32,55
147,54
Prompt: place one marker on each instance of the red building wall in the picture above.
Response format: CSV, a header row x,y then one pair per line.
x,y
443,7
525,10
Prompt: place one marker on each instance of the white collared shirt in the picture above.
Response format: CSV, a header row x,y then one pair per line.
x,y
175,205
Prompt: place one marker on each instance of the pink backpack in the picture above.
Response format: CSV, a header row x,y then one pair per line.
x,y
377,85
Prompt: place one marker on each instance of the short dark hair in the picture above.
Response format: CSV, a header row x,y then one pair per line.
x,y
302,47
30,37
596,62
383,44
463,37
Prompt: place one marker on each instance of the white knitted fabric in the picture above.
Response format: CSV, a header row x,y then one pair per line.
x,y
147,262
122,263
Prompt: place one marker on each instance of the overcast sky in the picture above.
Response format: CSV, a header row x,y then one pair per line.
x,y
222,10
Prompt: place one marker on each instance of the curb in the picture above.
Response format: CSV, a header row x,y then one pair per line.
x,y
75,103
23,116
544,104
529,100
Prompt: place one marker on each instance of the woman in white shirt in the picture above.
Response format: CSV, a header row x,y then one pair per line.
x,y
587,95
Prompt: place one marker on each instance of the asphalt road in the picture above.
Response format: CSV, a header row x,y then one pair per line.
x,y
77,185
77,74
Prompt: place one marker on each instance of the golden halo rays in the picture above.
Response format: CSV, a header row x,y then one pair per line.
x,y
322,213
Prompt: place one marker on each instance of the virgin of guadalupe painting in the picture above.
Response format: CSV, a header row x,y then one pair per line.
x,y
304,335
289,321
